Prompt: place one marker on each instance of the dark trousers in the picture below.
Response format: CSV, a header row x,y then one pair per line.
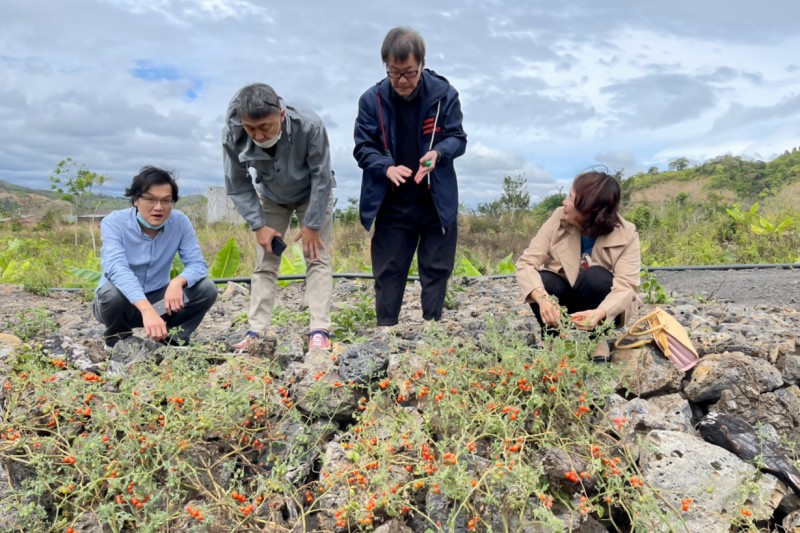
x,y
119,316
591,288
398,234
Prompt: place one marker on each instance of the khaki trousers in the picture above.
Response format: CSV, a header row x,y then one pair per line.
x,y
319,274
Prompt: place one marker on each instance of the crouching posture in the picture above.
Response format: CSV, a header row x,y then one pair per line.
x,y
139,246
586,258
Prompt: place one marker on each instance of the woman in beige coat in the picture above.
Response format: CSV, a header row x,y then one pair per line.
x,y
586,258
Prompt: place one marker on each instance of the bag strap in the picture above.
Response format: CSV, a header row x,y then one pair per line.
x,y
633,332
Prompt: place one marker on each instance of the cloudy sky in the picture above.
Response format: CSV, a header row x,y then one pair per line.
x,y
547,88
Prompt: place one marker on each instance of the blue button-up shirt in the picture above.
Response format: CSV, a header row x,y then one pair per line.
x,y
138,264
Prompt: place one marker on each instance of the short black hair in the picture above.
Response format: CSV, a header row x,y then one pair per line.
x,y
401,42
146,178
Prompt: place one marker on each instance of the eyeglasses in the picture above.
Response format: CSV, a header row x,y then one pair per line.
x,y
407,75
163,202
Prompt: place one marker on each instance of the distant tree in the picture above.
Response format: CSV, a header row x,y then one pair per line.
x,y
515,195
679,164
515,198
8,207
75,182
349,215
550,203
652,170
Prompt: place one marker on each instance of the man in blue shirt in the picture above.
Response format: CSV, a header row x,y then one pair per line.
x,y
139,245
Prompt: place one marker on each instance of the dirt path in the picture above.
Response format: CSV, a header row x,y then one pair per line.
x,y
778,287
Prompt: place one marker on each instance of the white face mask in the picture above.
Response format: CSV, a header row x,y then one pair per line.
x,y
270,142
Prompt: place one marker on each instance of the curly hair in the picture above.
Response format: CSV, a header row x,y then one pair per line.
x,y
597,199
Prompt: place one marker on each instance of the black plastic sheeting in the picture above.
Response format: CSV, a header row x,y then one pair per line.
x,y
361,275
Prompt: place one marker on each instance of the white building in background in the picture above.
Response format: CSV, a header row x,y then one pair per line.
x,y
221,208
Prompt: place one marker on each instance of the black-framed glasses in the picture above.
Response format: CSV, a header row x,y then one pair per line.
x,y
411,74
164,202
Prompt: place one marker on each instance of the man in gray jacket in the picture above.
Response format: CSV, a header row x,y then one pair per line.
x,y
277,163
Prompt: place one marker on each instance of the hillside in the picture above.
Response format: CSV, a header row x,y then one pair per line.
x,y
17,200
726,178
723,179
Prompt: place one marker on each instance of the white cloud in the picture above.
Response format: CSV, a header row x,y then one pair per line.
x,y
546,90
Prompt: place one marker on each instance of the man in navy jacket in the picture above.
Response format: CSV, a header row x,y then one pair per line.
x,y
407,134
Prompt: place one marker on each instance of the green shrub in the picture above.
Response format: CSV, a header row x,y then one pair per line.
x,y
33,323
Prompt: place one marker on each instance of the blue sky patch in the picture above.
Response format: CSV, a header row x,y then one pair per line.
x,y
194,92
149,71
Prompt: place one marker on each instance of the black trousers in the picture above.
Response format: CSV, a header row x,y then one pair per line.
x,y
119,316
401,228
591,288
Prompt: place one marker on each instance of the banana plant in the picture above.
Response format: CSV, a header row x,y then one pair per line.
x,y
86,274
227,261
292,263
506,265
764,227
466,268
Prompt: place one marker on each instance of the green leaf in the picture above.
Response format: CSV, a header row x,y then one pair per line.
x,y
9,272
465,268
784,226
292,263
177,267
86,274
227,260
506,265
736,213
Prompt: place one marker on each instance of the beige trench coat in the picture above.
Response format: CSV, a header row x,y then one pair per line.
x,y
556,248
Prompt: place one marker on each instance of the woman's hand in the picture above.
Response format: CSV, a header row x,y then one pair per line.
x,y
588,320
549,309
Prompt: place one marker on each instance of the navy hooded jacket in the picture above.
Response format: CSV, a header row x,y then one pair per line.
x,y
375,138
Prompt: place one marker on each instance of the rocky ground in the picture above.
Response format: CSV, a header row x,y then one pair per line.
x,y
745,325
772,287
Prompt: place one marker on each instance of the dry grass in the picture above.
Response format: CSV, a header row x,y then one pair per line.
x,y
696,189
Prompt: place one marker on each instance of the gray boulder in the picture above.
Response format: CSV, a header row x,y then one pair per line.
x,y
363,363
677,465
790,369
780,409
319,390
717,372
646,372
669,412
